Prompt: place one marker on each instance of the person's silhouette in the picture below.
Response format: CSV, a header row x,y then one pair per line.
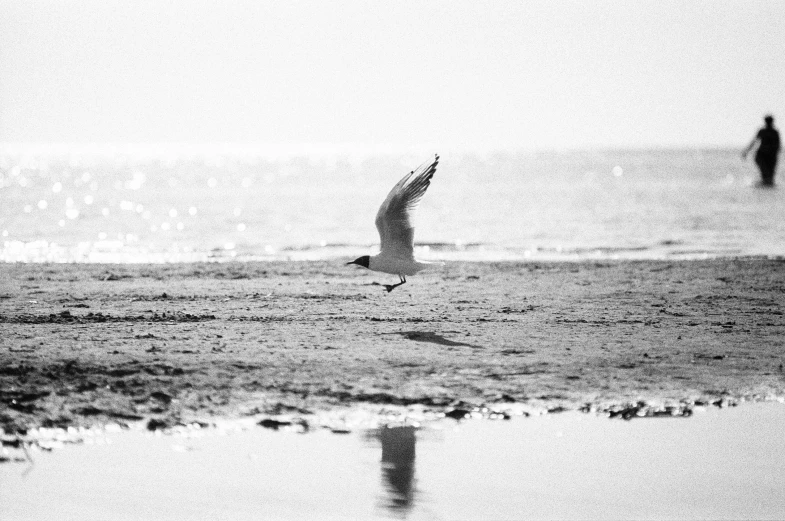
x,y
768,149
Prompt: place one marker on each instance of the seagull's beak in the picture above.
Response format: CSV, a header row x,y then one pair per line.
x,y
360,261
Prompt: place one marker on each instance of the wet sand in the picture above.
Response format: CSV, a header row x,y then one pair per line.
x,y
167,344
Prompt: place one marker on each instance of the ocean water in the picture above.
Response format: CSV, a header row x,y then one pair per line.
x,y
175,203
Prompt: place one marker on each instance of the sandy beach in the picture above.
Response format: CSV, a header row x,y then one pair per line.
x,y
87,344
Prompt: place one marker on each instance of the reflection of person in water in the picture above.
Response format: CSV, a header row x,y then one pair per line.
x,y
769,147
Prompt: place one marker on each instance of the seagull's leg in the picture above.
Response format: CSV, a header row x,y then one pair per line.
x,y
390,287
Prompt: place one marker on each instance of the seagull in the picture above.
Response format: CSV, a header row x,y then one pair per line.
x,y
393,220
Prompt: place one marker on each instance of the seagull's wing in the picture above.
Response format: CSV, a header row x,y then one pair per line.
x,y
394,217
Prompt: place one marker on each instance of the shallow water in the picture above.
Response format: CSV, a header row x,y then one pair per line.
x,y
717,464
155,204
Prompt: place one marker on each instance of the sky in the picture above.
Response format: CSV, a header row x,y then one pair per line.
x,y
522,74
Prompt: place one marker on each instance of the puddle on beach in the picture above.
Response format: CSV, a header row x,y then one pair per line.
x,y
716,464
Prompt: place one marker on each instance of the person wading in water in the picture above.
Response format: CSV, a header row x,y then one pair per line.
x,y
769,148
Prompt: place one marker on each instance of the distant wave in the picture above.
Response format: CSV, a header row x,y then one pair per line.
x,y
117,252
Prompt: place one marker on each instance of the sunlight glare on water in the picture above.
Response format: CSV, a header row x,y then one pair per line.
x,y
186,204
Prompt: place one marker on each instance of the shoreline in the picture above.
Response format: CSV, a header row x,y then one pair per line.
x,y
91,344
117,253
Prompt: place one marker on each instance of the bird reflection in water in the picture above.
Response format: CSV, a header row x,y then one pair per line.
x,y
398,450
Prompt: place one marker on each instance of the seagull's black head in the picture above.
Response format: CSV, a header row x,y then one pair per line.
x,y
361,261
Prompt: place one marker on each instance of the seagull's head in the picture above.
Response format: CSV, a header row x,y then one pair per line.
x,y
361,261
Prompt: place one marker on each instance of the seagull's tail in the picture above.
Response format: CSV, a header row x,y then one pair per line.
x,y
428,264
